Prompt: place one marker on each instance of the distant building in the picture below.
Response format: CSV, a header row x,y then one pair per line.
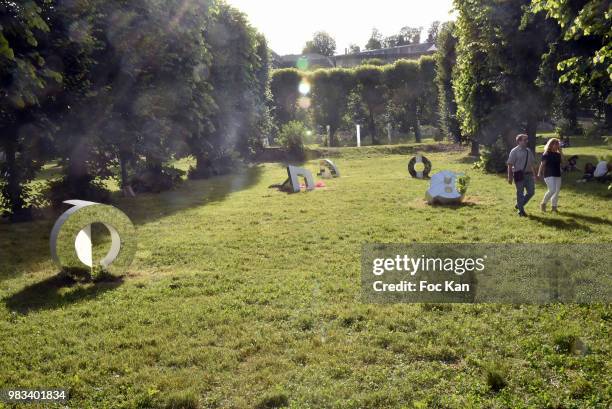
x,y
387,55
312,61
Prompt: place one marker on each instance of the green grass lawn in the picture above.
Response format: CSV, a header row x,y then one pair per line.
x,y
241,296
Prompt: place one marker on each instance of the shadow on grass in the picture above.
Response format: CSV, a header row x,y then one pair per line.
x,y
383,150
569,179
192,193
23,246
470,160
590,219
560,223
58,291
453,205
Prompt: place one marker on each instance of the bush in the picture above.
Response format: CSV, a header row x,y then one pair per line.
x,y
597,133
291,138
149,180
463,181
373,61
221,163
565,128
493,158
84,188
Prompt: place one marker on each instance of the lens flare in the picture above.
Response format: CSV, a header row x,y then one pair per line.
x,y
304,102
304,87
302,63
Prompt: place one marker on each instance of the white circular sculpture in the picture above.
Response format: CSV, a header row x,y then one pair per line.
x,y
443,188
71,245
327,169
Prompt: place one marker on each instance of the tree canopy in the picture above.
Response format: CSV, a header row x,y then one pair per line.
x,y
321,43
108,83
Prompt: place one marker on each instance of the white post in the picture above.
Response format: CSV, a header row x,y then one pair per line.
x,y
328,135
389,133
358,136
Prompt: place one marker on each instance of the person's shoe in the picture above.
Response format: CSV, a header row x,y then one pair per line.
x,y
543,207
554,209
522,213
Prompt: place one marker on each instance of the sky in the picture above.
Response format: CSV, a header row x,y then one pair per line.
x,y
288,24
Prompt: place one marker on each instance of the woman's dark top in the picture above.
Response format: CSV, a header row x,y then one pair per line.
x,y
552,164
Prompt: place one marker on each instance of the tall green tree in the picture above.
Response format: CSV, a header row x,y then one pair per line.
x,y
234,45
284,86
446,59
100,83
373,94
261,124
586,62
428,97
376,40
142,90
322,43
354,49
83,108
26,79
496,89
433,32
403,80
406,36
330,92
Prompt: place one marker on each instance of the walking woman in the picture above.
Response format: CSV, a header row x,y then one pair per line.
x,y
550,169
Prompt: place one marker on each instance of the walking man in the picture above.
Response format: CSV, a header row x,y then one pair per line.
x,y
521,170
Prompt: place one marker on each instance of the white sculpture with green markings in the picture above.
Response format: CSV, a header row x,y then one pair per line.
x,y
71,239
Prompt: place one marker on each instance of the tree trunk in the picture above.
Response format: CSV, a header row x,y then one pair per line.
x,y
78,176
475,148
414,121
126,187
372,129
333,141
531,129
456,132
203,169
417,130
154,167
607,115
572,118
13,189
123,168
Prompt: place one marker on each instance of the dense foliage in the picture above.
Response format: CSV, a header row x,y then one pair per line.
x,y
446,58
322,43
330,92
582,54
374,96
291,137
26,78
508,55
110,88
284,85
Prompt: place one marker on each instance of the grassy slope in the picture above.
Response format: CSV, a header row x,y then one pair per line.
x,y
242,296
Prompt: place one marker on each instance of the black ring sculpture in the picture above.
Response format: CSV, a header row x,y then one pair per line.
x,y
419,159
